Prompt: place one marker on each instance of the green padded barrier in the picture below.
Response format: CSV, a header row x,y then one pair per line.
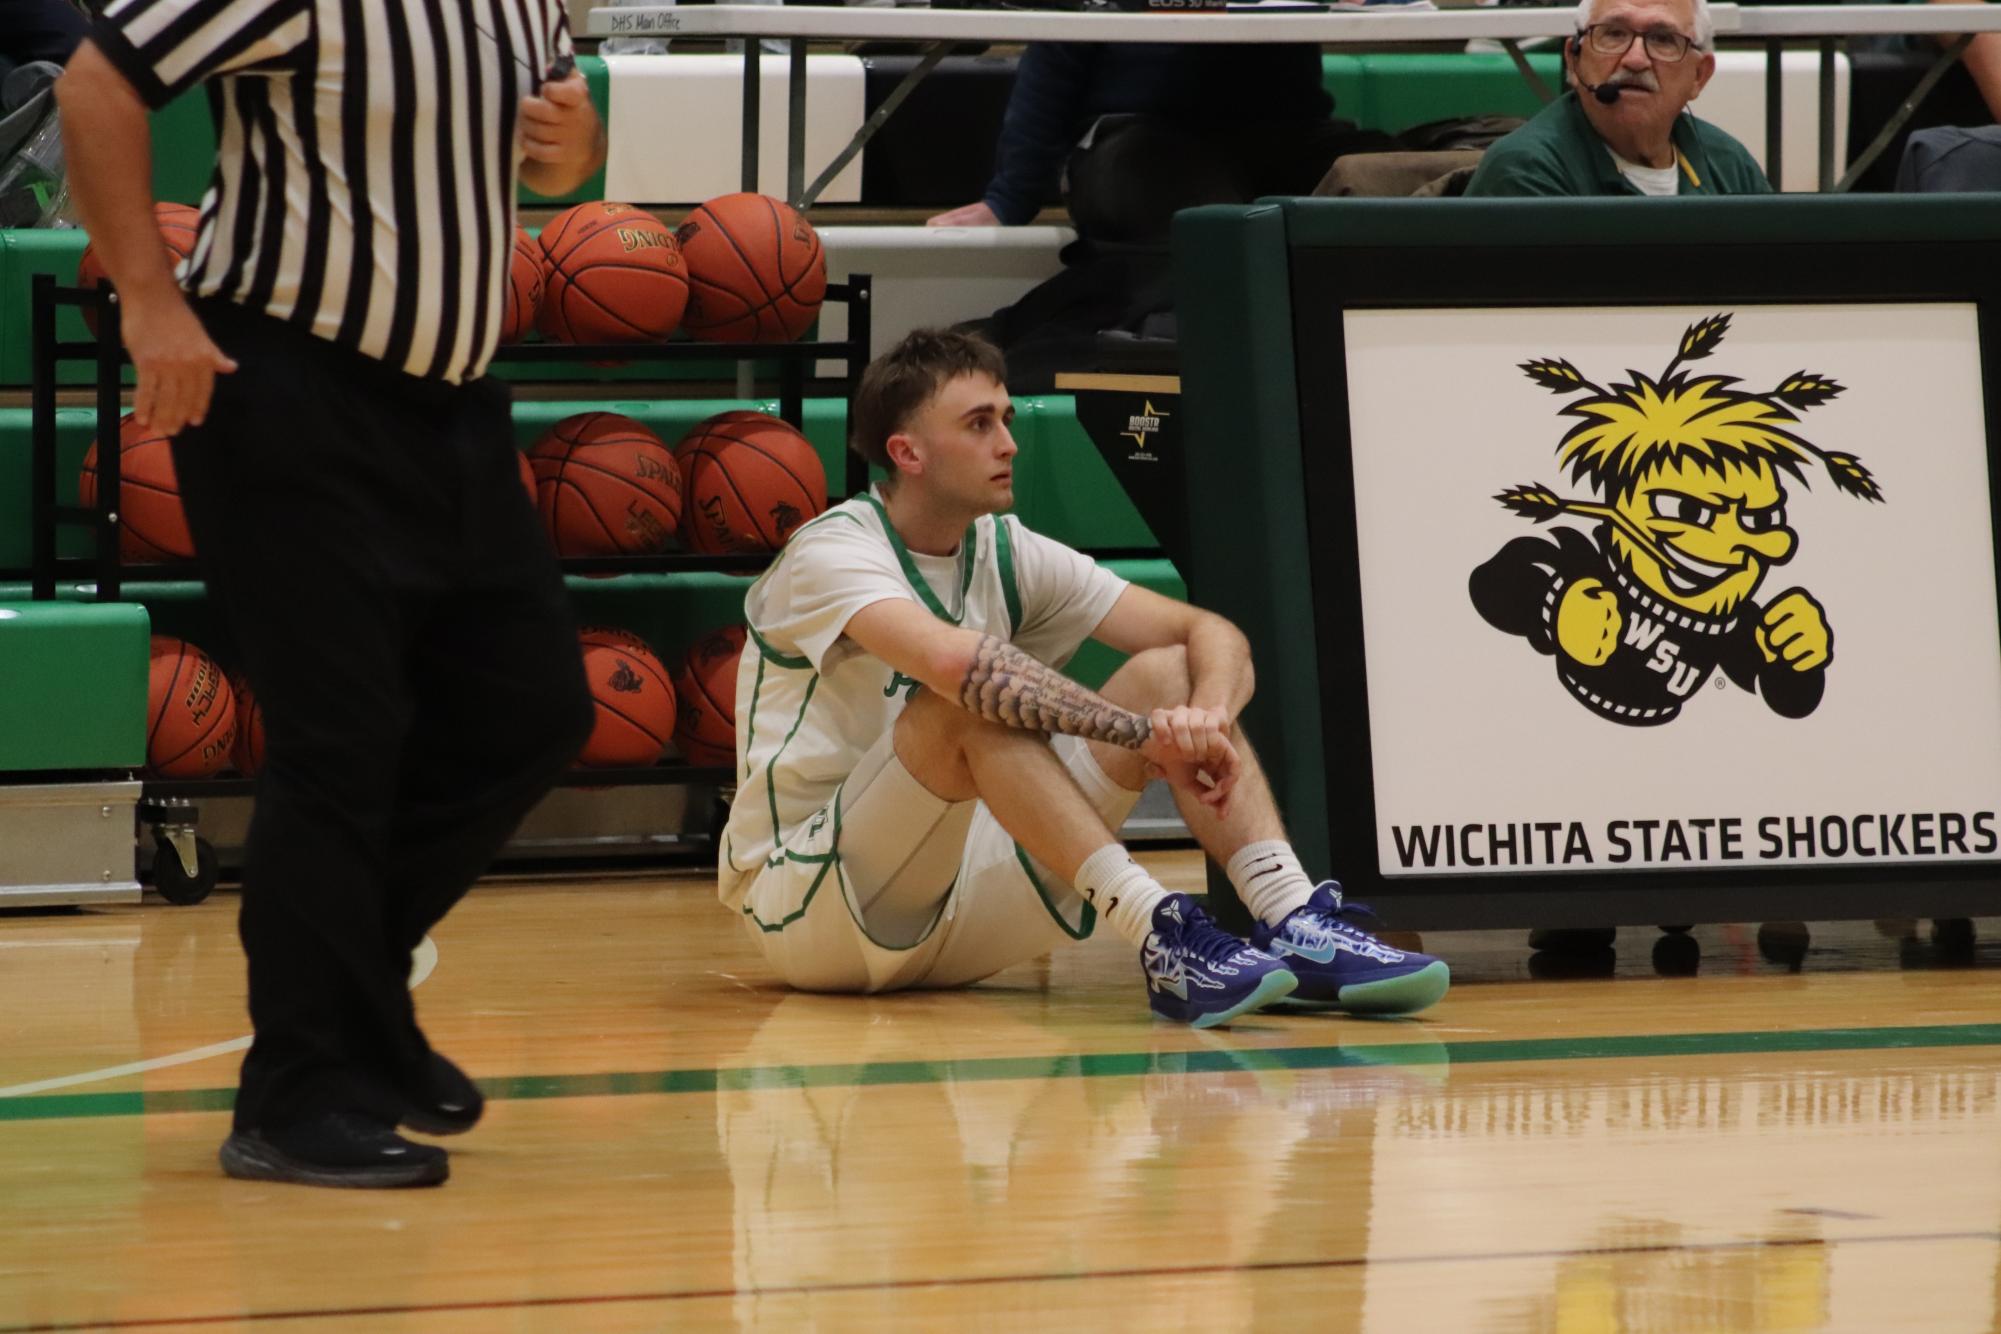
x,y
25,252
1232,285
180,608
183,149
73,435
184,144
1094,662
1062,485
1394,92
72,686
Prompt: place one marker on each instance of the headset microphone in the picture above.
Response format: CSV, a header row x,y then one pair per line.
x,y
1606,93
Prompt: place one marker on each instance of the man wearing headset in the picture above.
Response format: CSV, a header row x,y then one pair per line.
x,y
1624,127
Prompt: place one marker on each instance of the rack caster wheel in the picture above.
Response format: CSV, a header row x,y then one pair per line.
x,y
184,863
183,874
1784,943
1953,936
1677,954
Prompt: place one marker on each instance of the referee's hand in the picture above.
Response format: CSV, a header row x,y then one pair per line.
x,y
560,126
175,359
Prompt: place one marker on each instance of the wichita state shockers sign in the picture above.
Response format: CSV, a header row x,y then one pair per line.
x,y
1724,639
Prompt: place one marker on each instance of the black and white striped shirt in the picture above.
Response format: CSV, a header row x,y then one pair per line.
x,y
366,164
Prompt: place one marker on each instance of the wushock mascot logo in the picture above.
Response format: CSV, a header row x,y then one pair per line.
x,y
1661,592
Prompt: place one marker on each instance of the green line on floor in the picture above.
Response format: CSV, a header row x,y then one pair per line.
x,y
1097,1065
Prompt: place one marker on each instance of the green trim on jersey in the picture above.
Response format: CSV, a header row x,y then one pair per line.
x,y
1010,589
815,522
749,740
771,785
1087,922
849,515
831,859
750,723
968,558
770,654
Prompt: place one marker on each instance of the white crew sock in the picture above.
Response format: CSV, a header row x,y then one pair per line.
x,y
1270,880
1113,883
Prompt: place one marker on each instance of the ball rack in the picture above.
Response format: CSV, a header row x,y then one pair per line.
x,y
185,865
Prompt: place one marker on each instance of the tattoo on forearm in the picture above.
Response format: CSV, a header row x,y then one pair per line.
x,y
1006,685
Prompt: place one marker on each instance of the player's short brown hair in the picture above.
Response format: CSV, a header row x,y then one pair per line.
x,y
901,381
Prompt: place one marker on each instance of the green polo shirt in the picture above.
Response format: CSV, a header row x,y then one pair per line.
x,y
1558,153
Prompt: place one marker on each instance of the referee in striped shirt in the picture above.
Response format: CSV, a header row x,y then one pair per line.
x,y
351,482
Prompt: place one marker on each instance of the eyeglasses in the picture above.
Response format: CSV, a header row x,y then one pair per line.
x,y
1615,39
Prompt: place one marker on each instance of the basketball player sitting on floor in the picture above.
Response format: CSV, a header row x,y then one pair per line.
x,y
921,787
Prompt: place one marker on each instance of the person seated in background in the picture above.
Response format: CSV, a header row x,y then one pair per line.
x,y
1136,131
1624,127
34,30
1982,57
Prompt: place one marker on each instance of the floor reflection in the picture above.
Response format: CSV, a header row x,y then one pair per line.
x,y
1192,1162
1721,1194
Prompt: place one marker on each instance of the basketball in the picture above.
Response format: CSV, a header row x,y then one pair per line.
x,y
705,727
606,486
526,278
635,706
178,225
246,756
756,271
751,479
190,712
152,526
611,636
614,276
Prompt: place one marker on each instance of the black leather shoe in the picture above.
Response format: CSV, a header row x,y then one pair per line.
x,y
449,1103
336,1149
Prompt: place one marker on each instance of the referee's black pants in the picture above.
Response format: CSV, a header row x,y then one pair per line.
x,y
402,620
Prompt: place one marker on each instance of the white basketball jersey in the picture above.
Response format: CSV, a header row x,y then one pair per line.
x,y
810,701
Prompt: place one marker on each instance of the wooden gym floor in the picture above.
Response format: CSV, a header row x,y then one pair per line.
x,y
674,1142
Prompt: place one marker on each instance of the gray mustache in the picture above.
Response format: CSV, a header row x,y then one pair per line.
x,y
1644,81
